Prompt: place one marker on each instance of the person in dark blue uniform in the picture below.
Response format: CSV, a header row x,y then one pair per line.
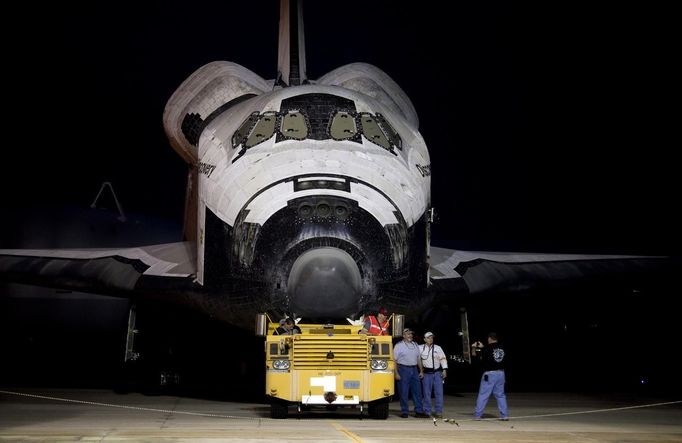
x,y
288,327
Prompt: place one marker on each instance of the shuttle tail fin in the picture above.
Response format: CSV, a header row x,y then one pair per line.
x,y
291,68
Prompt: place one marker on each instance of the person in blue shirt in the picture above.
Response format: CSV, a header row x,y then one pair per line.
x,y
409,374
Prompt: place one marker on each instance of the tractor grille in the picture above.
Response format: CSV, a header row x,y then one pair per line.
x,y
313,352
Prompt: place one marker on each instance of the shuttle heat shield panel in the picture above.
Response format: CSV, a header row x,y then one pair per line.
x,y
324,282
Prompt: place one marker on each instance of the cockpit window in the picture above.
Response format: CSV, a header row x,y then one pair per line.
x,y
372,131
264,129
342,126
240,134
316,117
294,125
393,136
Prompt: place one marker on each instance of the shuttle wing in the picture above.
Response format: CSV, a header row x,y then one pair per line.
x,y
120,272
483,272
130,271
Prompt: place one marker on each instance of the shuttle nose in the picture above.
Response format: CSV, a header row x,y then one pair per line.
x,y
324,282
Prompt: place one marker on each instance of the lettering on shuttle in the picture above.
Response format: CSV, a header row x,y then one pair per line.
x,y
424,170
205,168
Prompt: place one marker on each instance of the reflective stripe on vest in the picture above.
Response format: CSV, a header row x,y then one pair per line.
x,y
375,328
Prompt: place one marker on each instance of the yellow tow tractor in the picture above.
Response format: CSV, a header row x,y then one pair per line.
x,y
330,366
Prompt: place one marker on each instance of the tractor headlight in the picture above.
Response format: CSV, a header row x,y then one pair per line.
x,y
378,364
281,364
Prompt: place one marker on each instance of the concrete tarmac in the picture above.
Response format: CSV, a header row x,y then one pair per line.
x,y
64,415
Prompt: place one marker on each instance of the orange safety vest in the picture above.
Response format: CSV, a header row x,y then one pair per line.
x,y
375,328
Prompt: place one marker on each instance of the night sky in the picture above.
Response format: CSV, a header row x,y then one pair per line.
x,y
552,127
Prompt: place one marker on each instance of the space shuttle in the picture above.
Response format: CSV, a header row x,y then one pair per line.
x,y
309,197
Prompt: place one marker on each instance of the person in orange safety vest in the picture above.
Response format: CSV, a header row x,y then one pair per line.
x,y
376,325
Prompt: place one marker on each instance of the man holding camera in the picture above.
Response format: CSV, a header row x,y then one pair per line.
x,y
492,381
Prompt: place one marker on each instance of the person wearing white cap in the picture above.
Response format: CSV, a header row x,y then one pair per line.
x,y
435,364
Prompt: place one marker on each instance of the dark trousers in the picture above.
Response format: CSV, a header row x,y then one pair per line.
x,y
409,383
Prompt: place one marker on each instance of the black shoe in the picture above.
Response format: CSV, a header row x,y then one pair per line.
x,y
437,415
504,419
421,415
403,415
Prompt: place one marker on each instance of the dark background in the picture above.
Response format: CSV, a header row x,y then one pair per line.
x,y
552,127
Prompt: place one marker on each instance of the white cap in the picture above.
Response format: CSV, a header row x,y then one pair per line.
x,y
428,334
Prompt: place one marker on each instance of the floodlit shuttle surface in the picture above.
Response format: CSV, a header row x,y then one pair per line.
x,y
339,159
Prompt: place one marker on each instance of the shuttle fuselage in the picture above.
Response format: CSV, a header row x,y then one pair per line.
x,y
318,193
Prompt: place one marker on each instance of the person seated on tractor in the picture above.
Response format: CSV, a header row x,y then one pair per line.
x,y
288,327
376,325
